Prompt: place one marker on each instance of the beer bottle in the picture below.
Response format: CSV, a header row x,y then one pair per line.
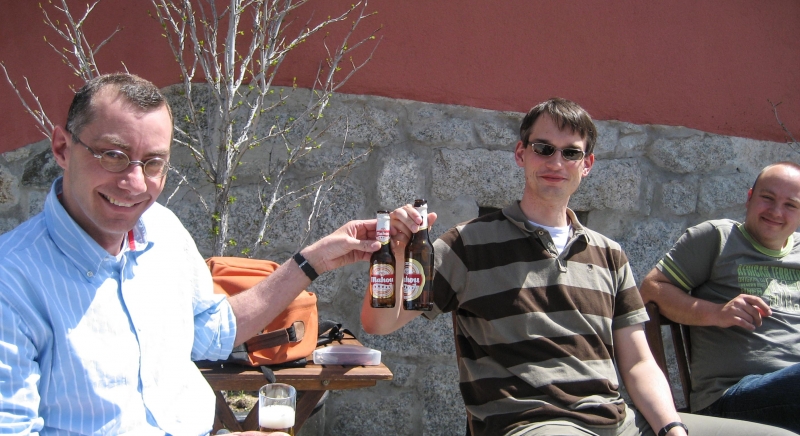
x,y
381,269
418,271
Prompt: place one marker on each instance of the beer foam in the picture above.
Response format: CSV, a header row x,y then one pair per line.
x,y
276,416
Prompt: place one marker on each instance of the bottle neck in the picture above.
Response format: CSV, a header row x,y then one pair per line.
x,y
421,235
382,229
423,211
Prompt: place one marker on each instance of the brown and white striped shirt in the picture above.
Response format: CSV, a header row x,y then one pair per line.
x,y
534,328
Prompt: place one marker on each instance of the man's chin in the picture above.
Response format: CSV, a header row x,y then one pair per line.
x,y
772,231
123,222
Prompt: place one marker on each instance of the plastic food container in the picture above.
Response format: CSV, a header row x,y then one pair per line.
x,y
347,355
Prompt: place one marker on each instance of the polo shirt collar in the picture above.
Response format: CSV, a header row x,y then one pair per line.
x,y
514,214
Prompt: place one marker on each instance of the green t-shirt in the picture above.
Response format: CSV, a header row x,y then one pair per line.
x,y
716,261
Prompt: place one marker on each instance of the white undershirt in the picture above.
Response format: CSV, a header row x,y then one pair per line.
x,y
559,235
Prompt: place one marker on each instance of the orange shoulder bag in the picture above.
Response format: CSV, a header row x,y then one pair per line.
x,y
290,337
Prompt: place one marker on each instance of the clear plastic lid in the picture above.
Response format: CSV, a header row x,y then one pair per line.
x,y
347,355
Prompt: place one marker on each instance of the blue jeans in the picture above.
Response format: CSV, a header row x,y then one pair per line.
x,y
772,399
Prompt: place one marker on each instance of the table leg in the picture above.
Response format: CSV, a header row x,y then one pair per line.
x,y
306,401
217,426
251,421
224,416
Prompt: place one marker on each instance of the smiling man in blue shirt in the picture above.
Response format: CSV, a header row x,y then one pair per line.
x,y
105,300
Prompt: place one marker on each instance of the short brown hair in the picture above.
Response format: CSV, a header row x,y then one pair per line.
x,y
138,92
566,114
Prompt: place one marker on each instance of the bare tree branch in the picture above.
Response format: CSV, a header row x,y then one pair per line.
x,y
795,146
43,123
229,56
237,51
78,55
184,182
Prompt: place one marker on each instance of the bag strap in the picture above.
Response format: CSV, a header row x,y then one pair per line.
x,y
239,354
293,333
332,331
268,373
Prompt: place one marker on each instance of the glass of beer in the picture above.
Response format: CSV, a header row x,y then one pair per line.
x,y
276,406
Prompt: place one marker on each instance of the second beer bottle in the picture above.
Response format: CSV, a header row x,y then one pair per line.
x,y
418,271
381,270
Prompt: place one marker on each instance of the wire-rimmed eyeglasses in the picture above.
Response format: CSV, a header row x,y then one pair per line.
x,y
543,149
117,161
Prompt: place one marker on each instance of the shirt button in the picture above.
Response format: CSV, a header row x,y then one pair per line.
x,y
89,274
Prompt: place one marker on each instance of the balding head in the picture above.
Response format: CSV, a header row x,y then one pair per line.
x,y
773,205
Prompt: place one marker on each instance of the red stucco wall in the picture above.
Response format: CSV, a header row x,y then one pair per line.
x,y
709,65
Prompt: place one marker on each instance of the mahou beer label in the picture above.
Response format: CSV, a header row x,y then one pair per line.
x,y
381,280
413,279
382,231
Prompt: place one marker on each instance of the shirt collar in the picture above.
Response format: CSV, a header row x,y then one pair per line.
x,y
514,214
787,248
83,251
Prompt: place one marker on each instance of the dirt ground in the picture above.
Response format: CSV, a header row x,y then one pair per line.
x,y
241,401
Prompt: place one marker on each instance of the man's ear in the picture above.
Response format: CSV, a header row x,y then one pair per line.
x,y
519,152
59,141
588,161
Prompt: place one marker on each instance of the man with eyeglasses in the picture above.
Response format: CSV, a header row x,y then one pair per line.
x,y
105,300
546,310
737,285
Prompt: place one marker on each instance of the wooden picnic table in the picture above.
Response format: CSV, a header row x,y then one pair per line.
x,y
310,381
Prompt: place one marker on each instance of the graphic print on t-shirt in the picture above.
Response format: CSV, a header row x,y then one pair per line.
x,y
779,287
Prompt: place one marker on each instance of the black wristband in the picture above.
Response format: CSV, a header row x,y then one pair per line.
x,y
305,266
670,426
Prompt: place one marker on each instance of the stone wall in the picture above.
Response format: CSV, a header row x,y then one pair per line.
x,y
648,184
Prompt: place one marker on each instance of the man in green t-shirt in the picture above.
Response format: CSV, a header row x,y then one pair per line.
x,y
738,287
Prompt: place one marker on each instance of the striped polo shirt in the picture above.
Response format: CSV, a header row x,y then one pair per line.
x,y
534,327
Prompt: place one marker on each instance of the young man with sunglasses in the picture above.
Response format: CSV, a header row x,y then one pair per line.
x,y
546,309
738,286
104,299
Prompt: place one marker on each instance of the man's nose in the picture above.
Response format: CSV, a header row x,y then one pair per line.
x,y
134,180
556,159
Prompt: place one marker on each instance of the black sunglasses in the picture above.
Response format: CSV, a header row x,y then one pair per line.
x,y
543,149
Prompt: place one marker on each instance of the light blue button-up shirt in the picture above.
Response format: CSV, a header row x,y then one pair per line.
x,y
92,343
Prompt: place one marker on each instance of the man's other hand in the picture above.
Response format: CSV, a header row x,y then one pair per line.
x,y
405,221
745,311
350,243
